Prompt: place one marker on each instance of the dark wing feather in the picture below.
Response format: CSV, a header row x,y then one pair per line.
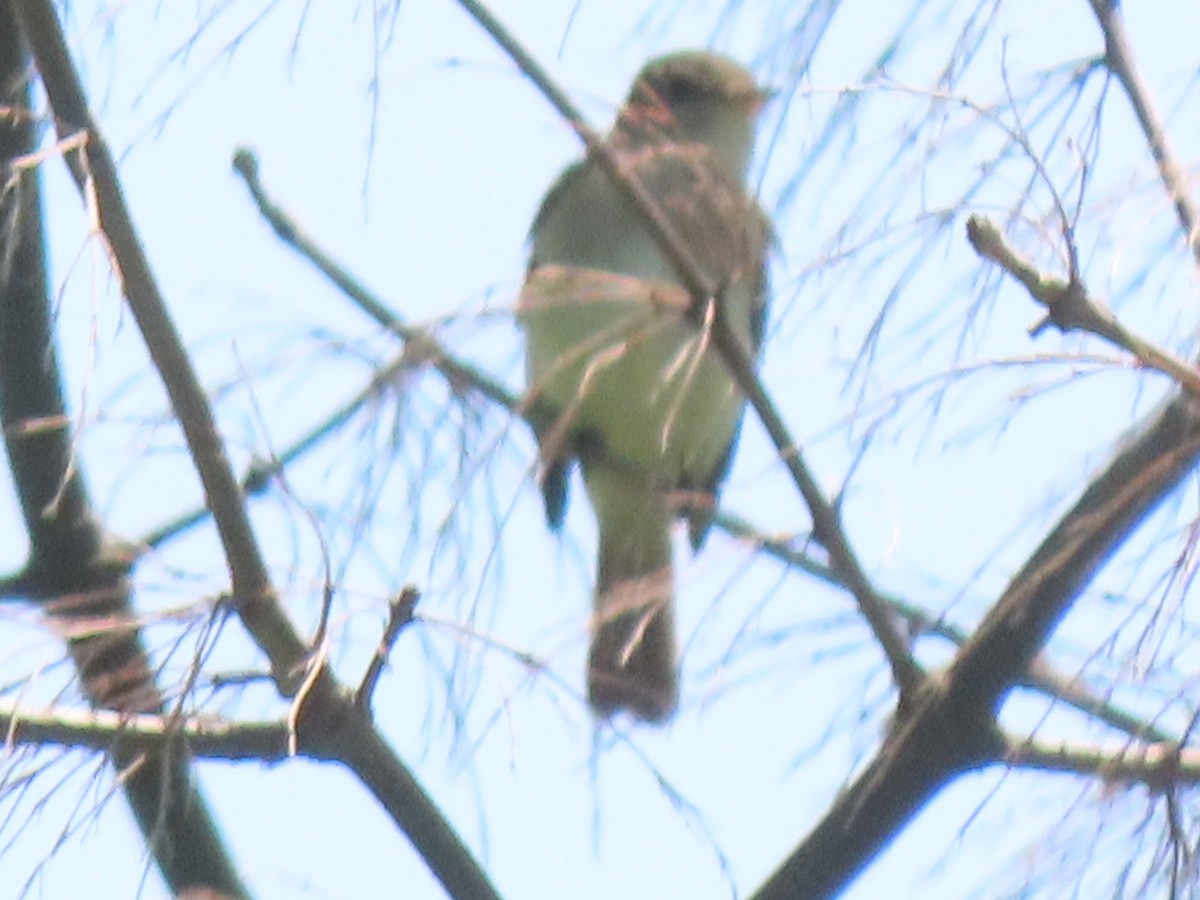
x,y
556,471
574,173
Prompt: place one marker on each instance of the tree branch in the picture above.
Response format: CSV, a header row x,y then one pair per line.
x,y
142,734
1118,57
1003,647
96,177
328,720
1041,676
1070,307
1160,766
420,344
75,569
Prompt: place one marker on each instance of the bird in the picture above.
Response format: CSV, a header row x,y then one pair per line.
x,y
620,354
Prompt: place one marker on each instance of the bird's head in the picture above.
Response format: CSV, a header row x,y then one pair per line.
x,y
694,96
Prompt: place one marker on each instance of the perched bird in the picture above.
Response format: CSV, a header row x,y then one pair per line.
x,y
641,397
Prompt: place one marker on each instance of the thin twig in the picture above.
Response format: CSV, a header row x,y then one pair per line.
x,y
261,471
459,374
1159,766
1041,675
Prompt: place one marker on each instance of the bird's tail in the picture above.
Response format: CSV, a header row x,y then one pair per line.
x,y
632,663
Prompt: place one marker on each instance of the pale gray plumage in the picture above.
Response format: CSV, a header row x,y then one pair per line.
x,y
628,374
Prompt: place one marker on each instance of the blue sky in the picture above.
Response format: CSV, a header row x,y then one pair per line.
x,y
416,153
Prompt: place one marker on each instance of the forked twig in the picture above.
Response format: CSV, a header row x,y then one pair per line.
x,y
1069,307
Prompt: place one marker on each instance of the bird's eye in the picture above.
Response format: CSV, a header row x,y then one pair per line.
x,y
680,90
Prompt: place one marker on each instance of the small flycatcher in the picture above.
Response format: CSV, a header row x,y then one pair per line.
x,y
643,400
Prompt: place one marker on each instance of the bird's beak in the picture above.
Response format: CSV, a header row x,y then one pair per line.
x,y
756,102
766,95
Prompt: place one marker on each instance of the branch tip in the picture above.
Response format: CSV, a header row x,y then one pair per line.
x,y
400,615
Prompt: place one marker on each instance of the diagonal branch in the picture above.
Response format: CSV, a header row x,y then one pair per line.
x,y
456,372
75,569
96,176
1118,57
327,719
952,727
1041,676
918,757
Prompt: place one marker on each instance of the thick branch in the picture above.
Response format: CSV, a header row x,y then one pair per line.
x,y
326,708
939,738
998,654
75,568
1143,473
1006,644
96,175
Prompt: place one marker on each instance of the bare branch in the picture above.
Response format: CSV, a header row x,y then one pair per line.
x,y
1119,58
459,374
1069,306
141,734
400,616
1160,766
1041,675
952,727
75,570
328,721
96,176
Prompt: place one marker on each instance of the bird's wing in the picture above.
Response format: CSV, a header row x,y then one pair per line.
x,y
569,181
700,515
556,467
